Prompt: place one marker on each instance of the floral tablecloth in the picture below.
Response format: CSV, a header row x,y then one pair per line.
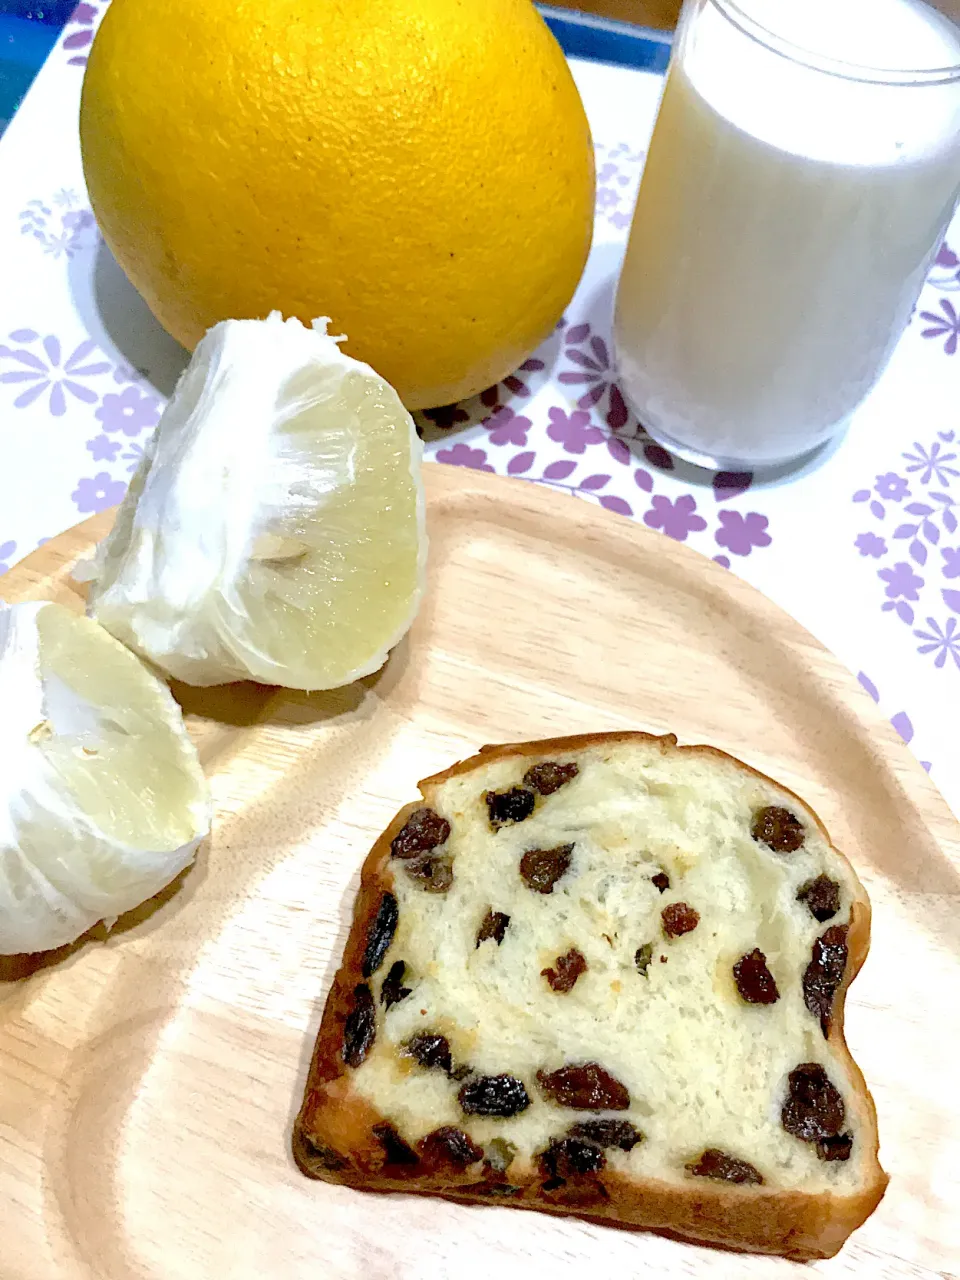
x,y
861,546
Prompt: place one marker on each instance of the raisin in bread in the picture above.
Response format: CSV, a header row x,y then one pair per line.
x,y
604,975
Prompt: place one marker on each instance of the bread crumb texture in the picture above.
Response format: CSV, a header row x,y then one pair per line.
x,y
660,869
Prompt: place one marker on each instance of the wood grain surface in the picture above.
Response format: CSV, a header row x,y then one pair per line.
x,y
647,13
149,1078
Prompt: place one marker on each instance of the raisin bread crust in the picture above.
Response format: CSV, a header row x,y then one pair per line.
x,y
333,1138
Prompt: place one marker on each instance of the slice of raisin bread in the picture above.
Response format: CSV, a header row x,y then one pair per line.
x,y
604,975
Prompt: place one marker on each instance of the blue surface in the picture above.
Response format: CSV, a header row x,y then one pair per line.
x,y
29,30
581,35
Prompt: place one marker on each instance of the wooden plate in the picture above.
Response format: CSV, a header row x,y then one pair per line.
x,y
148,1080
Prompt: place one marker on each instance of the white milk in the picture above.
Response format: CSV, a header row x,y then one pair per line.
x,y
785,223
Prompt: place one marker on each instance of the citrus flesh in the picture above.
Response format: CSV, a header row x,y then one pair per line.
x,y
104,801
275,528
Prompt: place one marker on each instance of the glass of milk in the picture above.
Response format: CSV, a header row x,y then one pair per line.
x,y
804,167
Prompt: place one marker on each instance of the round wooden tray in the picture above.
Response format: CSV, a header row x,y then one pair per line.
x,y
149,1078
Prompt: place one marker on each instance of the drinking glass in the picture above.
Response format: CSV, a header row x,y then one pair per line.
x,y
804,167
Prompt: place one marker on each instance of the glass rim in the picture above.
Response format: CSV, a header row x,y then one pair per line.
x,y
861,72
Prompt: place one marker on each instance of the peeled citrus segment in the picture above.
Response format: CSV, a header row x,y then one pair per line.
x,y
104,800
275,528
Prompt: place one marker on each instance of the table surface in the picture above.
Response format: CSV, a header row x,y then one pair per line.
x,y
861,545
649,13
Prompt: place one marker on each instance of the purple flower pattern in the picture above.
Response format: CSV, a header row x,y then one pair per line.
x,y
901,581
676,518
129,411
96,493
868,544
63,233
507,427
519,384
133,456
122,374
447,416
513,383
618,175
740,533
920,524
39,371
892,487
575,431
103,449
44,370
945,273
945,326
556,473
932,463
942,641
7,549
593,370
79,33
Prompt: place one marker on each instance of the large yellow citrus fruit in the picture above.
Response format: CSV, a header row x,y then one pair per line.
x,y
418,170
